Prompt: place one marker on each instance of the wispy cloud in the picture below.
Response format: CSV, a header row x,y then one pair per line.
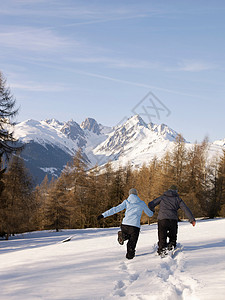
x,y
195,66
33,39
31,86
93,12
120,63
123,81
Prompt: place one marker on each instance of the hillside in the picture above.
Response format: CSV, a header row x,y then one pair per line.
x,y
92,266
50,144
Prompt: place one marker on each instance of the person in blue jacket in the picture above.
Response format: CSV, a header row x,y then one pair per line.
x,y
130,226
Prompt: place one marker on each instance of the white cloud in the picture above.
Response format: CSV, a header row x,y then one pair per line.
x,y
121,63
89,11
195,66
33,39
38,87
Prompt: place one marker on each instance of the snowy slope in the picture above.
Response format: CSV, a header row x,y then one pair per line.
x,y
134,141
50,144
92,266
44,132
220,143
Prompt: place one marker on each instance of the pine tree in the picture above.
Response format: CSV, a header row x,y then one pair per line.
x,y
2,171
105,180
197,183
179,160
57,209
221,186
7,112
94,197
116,196
75,175
129,181
41,196
17,201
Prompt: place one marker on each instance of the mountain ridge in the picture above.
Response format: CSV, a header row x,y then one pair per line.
x,y
133,141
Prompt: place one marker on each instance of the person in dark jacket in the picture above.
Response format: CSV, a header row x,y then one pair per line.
x,y
130,226
169,203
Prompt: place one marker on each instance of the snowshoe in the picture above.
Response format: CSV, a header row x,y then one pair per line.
x,y
163,253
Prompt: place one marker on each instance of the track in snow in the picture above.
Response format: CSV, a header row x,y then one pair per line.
x,y
169,274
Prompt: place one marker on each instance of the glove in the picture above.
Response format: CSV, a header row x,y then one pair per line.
x,y
100,217
193,223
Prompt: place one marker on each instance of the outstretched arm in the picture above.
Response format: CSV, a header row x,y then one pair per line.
x,y
114,210
187,212
154,203
147,211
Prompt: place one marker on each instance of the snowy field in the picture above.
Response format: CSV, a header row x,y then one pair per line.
x,y
93,265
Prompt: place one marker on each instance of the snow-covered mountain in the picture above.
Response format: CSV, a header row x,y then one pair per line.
x,y
136,142
220,143
50,144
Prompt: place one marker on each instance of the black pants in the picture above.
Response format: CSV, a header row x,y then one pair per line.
x,y
130,233
167,228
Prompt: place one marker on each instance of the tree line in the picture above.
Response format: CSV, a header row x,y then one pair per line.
x,y
79,195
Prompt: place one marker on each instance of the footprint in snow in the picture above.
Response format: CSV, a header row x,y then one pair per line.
x,y
119,289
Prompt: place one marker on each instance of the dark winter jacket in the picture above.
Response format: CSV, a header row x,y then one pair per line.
x,y
170,202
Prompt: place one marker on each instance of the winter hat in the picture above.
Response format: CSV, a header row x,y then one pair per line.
x,y
133,191
173,187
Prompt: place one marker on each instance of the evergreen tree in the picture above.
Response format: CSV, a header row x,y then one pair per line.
x,y
129,181
164,174
41,197
179,161
57,210
77,184
7,112
94,198
221,186
105,180
17,201
116,196
2,171
197,185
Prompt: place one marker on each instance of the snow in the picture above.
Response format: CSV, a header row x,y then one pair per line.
x,y
133,142
49,170
44,133
220,142
93,265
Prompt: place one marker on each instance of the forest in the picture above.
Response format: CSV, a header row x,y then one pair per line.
x,y
80,194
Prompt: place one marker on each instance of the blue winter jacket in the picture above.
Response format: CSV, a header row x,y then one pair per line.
x,y
134,207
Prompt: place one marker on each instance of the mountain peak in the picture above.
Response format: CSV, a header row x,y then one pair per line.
x,y
72,130
91,125
164,130
134,121
54,123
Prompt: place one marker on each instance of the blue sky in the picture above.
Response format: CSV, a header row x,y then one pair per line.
x,y
76,59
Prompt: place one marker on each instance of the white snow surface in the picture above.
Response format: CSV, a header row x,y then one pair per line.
x,y
92,265
44,133
220,142
135,142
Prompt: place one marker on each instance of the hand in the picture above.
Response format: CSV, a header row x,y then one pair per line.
x,y
193,223
100,217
